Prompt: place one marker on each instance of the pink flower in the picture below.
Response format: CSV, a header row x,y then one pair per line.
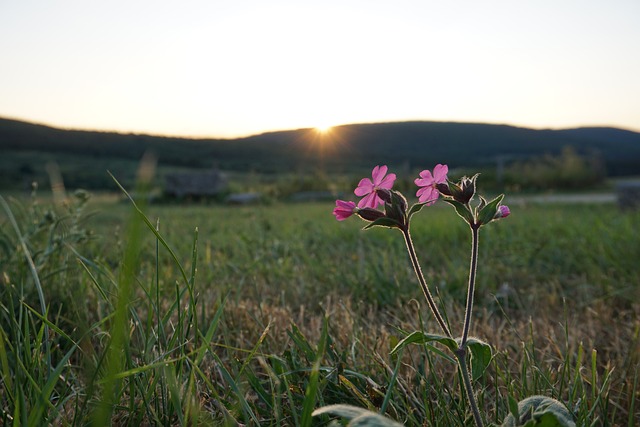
x,y
503,211
428,192
368,188
344,209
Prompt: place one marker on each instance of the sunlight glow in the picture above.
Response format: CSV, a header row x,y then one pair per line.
x,y
323,128
481,62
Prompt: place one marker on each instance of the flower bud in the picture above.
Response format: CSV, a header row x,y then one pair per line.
x,y
369,214
344,209
503,211
456,191
468,189
399,200
384,194
443,188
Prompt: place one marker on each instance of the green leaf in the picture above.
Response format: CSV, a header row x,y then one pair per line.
x,y
482,204
539,411
481,354
461,210
513,408
419,337
345,411
383,222
487,213
397,208
359,417
301,342
415,208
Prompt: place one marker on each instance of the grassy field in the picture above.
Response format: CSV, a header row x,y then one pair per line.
x,y
256,315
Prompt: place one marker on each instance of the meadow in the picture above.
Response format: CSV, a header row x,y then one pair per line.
x,y
256,315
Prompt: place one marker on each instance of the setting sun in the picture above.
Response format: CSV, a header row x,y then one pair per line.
x,y
323,128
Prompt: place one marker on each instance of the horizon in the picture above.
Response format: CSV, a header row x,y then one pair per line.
x,y
210,70
328,129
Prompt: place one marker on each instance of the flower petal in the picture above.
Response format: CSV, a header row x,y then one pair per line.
x,y
340,215
426,179
427,194
365,186
348,205
387,181
344,209
369,201
378,174
440,173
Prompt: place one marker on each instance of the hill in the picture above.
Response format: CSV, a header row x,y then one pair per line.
x,y
415,144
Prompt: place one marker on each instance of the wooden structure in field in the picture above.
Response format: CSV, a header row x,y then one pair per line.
x,y
207,183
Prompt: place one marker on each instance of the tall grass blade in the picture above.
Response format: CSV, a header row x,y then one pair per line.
x,y
118,343
312,388
34,274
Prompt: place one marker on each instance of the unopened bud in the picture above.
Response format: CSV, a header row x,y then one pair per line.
x,y
455,190
384,194
468,189
369,214
398,199
503,211
443,188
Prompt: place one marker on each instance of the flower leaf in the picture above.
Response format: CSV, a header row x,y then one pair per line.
x,y
481,354
419,337
488,212
539,411
482,204
358,416
415,208
513,408
383,222
462,210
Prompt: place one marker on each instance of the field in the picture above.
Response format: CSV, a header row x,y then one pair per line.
x,y
256,315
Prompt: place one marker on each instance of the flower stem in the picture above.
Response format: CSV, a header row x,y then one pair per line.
x,y
461,355
472,282
423,283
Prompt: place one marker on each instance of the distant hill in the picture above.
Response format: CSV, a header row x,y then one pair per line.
x,y
414,144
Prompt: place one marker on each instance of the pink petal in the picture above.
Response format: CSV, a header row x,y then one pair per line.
x,y
427,194
388,181
344,209
347,205
340,215
378,174
426,174
369,201
440,173
365,186
504,211
425,180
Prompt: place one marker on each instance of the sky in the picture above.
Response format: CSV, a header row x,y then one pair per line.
x,y
235,68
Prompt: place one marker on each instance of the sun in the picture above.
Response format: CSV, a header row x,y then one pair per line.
x,y
323,128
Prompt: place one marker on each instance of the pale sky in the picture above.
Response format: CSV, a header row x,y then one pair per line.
x,y
234,68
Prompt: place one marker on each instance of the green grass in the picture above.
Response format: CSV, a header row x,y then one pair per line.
x,y
213,315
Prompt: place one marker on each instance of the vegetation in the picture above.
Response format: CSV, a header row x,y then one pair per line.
x,y
258,315
82,157
566,171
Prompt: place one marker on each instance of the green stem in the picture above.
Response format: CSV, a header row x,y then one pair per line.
x,y
461,355
423,283
472,282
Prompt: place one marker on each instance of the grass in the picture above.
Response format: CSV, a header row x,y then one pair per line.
x,y
212,315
